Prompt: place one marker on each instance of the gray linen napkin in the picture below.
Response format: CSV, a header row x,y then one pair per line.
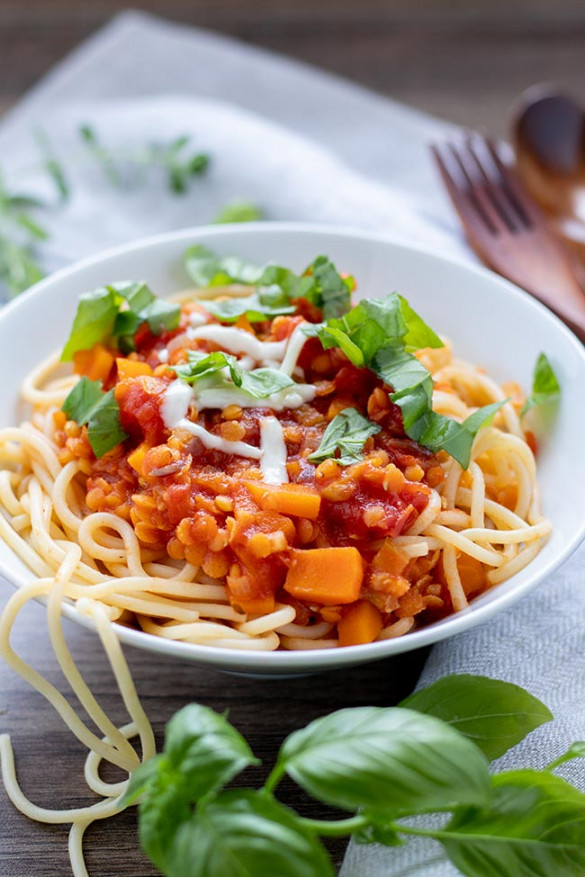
x,y
235,102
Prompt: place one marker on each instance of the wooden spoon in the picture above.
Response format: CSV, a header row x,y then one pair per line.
x,y
548,131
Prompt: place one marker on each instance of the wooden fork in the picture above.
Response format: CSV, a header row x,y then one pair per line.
x,y
506,228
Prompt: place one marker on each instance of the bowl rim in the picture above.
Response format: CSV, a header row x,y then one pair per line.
x,y
311,660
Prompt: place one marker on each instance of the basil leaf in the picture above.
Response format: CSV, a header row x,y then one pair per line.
x,y
206,268
437,432
160,315
418,334
263,305
202,753
104,429
85,396
333,293
260,382
94,321
496,715
239,211
377,834
141,779
248,834
88,404
347,433
263,382
545,386
534,824
114,313
201,365
205,749
331,336
392,761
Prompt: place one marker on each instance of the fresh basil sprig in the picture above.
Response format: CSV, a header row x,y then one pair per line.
x,y
347,433
114,313
545,386
88,404
260,382
276,287
381,335
381,765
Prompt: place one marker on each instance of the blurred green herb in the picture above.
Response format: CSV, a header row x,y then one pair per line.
x,y
20,232
239,211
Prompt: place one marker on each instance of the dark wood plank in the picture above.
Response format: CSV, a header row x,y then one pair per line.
x,y
465,61
50,761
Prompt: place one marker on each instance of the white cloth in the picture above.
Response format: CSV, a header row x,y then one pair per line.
x,y
141,79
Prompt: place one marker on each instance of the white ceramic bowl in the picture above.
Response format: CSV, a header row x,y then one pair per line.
x,y
489,321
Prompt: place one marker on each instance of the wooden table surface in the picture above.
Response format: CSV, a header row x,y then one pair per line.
x,y
464,60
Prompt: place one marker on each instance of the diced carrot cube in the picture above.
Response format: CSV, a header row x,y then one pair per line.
x,y
131,368
325,575
299,500
390,559
96,364
136,458
258,605
361,624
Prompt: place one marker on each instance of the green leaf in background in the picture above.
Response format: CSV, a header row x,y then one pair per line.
x,y
100,153
534,825
247,834
496,715
387,761
239,211
545,386
88,404
347,432
53,166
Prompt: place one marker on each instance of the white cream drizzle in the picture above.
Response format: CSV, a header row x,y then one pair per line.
x,y
296,342
207,396
177,399
274,453
239,341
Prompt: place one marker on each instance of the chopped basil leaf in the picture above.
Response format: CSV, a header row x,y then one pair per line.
x,y
262,305
545,386
440,433
239,211
418,334
114,313
94,321
379,334
347,433
88,404
259,383
275,286
206,268
332,293
263,382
